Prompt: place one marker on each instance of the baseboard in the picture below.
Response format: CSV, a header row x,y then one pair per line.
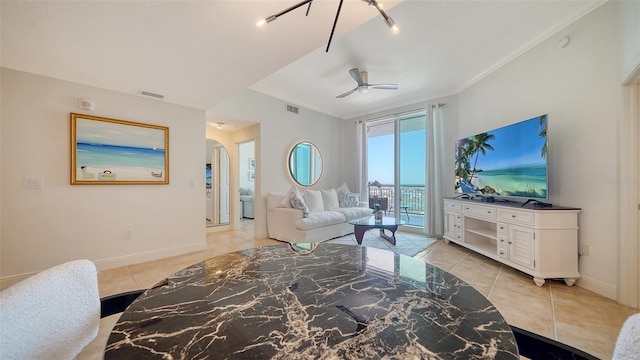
x,y
218,228
597,287
7,281
126,260
261,235
411,229
120,261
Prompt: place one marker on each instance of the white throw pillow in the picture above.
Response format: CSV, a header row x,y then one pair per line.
x,y
348,199
297,202
313,198
286,200
342,188
330,199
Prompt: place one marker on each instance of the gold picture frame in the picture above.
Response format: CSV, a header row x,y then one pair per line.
x,y
117,152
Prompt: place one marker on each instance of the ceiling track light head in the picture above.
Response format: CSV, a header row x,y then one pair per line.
x,y
266,20
373,3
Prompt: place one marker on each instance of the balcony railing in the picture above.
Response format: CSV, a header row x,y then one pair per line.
x,y
411,197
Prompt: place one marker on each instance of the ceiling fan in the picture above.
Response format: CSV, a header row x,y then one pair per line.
x,y
362,78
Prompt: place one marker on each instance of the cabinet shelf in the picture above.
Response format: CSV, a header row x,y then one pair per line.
x,y
486,232
484,248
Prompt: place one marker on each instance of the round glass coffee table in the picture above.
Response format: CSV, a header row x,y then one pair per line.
x,y
360,226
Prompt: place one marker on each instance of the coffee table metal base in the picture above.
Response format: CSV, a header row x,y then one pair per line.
x,y
359,231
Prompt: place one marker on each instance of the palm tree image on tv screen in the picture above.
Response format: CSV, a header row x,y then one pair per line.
x,y
510,161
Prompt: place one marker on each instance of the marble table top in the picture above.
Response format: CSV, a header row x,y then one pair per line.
x,y
312,301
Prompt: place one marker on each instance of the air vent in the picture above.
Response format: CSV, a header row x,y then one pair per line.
x,y
146,93
293,109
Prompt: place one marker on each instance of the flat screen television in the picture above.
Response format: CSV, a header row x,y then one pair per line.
x,y
510,161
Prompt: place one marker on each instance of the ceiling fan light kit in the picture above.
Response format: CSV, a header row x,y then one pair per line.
x,y
373,3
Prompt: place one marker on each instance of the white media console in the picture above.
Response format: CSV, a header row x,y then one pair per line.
x,y
539,241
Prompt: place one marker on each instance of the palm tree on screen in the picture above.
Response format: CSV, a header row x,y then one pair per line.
x,y
463,154
542,132
480,145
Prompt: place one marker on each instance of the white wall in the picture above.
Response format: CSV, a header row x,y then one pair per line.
x,y
579,87
61,222
629,13
279,131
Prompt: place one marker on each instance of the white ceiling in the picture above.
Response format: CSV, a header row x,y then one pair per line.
x,y
201,53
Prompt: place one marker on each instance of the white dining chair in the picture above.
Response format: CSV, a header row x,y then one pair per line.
x,y
628,343
51,315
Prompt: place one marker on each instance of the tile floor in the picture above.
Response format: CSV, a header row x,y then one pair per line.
x,y
570,315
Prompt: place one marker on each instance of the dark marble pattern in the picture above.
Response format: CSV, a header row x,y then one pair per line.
x,y
312,301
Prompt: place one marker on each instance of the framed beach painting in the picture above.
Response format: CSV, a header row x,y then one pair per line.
x,y
110,151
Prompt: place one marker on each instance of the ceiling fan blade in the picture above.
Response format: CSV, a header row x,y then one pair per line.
x,y
355,74
384,86
347,93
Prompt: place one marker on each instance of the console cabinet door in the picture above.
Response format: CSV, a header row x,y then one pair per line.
x,y
449,225
452,226
521,246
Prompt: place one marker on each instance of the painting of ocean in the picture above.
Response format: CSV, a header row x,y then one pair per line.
x,y
139,163
116,151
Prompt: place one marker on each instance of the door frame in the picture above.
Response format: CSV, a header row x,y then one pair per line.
x,y
628,284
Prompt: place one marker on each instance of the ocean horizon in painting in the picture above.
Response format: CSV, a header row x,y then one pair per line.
x,y
131,163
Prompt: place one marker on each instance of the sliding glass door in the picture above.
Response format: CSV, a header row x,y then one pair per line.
x,y
396,163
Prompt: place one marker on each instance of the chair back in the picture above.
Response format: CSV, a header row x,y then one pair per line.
x,y
383,203
51,315
628,343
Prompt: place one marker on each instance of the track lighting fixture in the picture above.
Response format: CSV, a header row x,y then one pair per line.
x,y
373,3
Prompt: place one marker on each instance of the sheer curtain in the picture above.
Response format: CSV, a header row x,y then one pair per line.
x,y
434,187
361,132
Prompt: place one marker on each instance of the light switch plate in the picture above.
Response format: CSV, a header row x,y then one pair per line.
x,y
34,183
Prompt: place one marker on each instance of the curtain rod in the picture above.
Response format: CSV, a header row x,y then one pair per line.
x,y
401,114
405,113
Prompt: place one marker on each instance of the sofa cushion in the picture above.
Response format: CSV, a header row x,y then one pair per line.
x,y
275,200
246,198
330,199
342,188
286,200
314,201
320,219
297,202
353,213
347,199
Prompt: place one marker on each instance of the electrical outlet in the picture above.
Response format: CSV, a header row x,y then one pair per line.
x,y
127,234
585,250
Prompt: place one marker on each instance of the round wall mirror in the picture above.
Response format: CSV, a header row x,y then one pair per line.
x,y
305,163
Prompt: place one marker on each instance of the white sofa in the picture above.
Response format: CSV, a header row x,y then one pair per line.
x,y
246,198
322,223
